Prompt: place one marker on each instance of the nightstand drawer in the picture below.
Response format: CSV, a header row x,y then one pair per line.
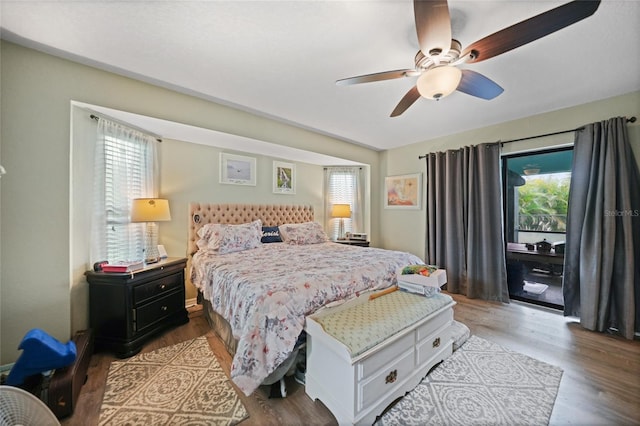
x,y
153,312
156,288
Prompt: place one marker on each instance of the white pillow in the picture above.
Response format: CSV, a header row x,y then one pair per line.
x,y
241,237
303,233
210,236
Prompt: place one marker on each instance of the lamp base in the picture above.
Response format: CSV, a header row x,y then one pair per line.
x,y
341,230
152,255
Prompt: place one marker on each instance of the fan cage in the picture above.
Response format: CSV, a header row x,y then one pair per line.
x,y
19,407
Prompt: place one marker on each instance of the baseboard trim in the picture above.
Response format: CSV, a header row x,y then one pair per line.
x,y
6,367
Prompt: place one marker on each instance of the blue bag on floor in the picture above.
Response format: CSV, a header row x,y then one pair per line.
x,y
40,352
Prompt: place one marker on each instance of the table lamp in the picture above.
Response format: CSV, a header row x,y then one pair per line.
x,y
150,211
341,211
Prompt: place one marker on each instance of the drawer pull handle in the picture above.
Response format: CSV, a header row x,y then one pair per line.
x,y
164,309
162,286
391,377
436,342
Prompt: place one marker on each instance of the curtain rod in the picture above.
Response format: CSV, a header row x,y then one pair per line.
x,y
629,120
158,138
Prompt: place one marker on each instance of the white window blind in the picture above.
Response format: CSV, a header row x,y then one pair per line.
x,y
125,169
343,185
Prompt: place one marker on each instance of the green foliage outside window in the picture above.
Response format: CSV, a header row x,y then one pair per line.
x,y
543,202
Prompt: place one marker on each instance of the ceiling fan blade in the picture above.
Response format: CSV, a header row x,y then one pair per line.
x,y
530,30
433,25
380,76
408,99
475,84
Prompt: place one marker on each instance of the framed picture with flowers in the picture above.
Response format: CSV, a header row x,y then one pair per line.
x,y
403,191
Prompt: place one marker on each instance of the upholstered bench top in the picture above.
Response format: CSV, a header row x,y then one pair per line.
x,y
363,326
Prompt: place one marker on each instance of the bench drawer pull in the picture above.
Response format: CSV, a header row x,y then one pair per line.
x,y
436,342
391,377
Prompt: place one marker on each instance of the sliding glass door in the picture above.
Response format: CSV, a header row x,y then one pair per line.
x,y
536,194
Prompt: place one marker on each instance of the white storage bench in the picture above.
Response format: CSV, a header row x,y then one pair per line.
x,y
365,354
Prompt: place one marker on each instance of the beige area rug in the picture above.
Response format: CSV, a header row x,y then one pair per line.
x,y
482,383
181,384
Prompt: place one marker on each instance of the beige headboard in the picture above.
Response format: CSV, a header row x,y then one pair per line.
x,y
271,215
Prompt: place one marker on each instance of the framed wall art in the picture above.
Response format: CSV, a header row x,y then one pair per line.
x,y
284,178
237,169
403,192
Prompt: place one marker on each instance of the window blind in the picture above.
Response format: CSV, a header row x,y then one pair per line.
x,y
343,185
125,169
124,175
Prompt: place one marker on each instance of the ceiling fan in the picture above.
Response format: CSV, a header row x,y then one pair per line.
x,y
436,63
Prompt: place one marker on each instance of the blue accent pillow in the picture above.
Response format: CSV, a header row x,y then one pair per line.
x,y
271,234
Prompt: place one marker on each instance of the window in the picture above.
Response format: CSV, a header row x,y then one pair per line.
x,y
125,169
537,195
343,185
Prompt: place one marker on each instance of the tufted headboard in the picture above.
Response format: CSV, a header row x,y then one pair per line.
x,y
271,215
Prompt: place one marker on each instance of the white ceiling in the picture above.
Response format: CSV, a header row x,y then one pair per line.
x,y
281,58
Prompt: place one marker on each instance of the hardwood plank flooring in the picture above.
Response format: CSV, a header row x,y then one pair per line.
x,y
600,384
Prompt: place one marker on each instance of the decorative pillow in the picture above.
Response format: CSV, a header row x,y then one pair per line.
x,y
303,233
210,235
241,237
271,234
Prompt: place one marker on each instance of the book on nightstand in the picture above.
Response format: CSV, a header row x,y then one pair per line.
x,y
123,266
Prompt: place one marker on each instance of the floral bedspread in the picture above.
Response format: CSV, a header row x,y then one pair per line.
x,y
265,294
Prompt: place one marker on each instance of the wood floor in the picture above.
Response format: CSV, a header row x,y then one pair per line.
x,y
600,384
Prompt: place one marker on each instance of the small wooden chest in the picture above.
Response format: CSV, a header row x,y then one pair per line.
x,y
64,387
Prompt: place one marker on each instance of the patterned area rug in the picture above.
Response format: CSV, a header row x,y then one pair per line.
x,y
482,383
176,385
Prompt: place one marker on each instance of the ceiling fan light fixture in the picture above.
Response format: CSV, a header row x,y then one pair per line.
x,y
439,82
531,171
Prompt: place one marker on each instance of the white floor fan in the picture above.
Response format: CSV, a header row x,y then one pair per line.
x,y
19,407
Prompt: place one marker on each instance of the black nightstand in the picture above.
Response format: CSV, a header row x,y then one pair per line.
x,y
127,309
358,243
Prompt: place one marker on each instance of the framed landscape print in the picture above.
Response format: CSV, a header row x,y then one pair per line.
x,y
284,178
237,169
403,192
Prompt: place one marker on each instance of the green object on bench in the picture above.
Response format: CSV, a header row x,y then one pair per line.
x,y
363,326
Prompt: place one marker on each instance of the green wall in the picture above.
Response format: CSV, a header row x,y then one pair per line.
x,y
43,210
406,230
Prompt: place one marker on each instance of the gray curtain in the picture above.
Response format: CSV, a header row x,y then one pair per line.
x,y
602,261
464,221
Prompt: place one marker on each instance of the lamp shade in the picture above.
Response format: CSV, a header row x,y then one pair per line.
x,y
150,210
439,82
341,210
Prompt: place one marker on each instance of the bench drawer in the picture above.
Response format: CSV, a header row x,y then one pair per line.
x,y
387,377
427,329
434,344
385,356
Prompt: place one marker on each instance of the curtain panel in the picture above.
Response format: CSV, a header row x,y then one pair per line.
x,y
464,221
602,263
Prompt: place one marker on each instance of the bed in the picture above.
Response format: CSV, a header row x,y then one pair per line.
x,y
257,298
